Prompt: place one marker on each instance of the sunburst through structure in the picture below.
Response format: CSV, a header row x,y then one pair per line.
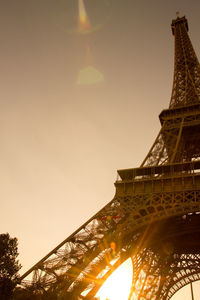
x,y
118,285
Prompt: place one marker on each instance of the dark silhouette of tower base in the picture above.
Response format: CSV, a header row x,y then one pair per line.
x,y
154,217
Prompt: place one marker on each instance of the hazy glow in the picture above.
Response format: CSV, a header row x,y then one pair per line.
x,y
62,143
89,75
84,23
117,286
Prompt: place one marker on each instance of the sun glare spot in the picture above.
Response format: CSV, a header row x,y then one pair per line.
x,y
117,286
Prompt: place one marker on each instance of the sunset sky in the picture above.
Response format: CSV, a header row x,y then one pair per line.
x,y
76,104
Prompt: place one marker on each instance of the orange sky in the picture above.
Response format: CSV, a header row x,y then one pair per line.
x,y
62,143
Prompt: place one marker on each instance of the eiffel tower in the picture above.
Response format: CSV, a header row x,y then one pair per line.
x,y
154,218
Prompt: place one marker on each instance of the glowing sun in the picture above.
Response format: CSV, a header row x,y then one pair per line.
x,y
117,286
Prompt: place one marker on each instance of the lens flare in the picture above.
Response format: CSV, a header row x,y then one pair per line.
x,y
83,23
89,75
74,17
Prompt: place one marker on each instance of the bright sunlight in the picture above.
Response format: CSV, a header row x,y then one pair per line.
x,y
117,286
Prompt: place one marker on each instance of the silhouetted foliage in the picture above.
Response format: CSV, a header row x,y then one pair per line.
x,y
9,266
25,294
32,292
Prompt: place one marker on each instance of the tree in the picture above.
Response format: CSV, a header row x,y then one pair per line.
x,y
9,266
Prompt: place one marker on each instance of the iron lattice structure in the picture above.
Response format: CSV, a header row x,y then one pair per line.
x,y
154,217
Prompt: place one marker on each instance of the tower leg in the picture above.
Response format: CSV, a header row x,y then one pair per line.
x,y
192,294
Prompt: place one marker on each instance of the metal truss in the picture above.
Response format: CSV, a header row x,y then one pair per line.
x,y
178,139
78,267
154,216
186,84
170,264
183,110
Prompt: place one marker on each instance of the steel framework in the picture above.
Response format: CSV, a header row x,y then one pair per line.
x,y
154,217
